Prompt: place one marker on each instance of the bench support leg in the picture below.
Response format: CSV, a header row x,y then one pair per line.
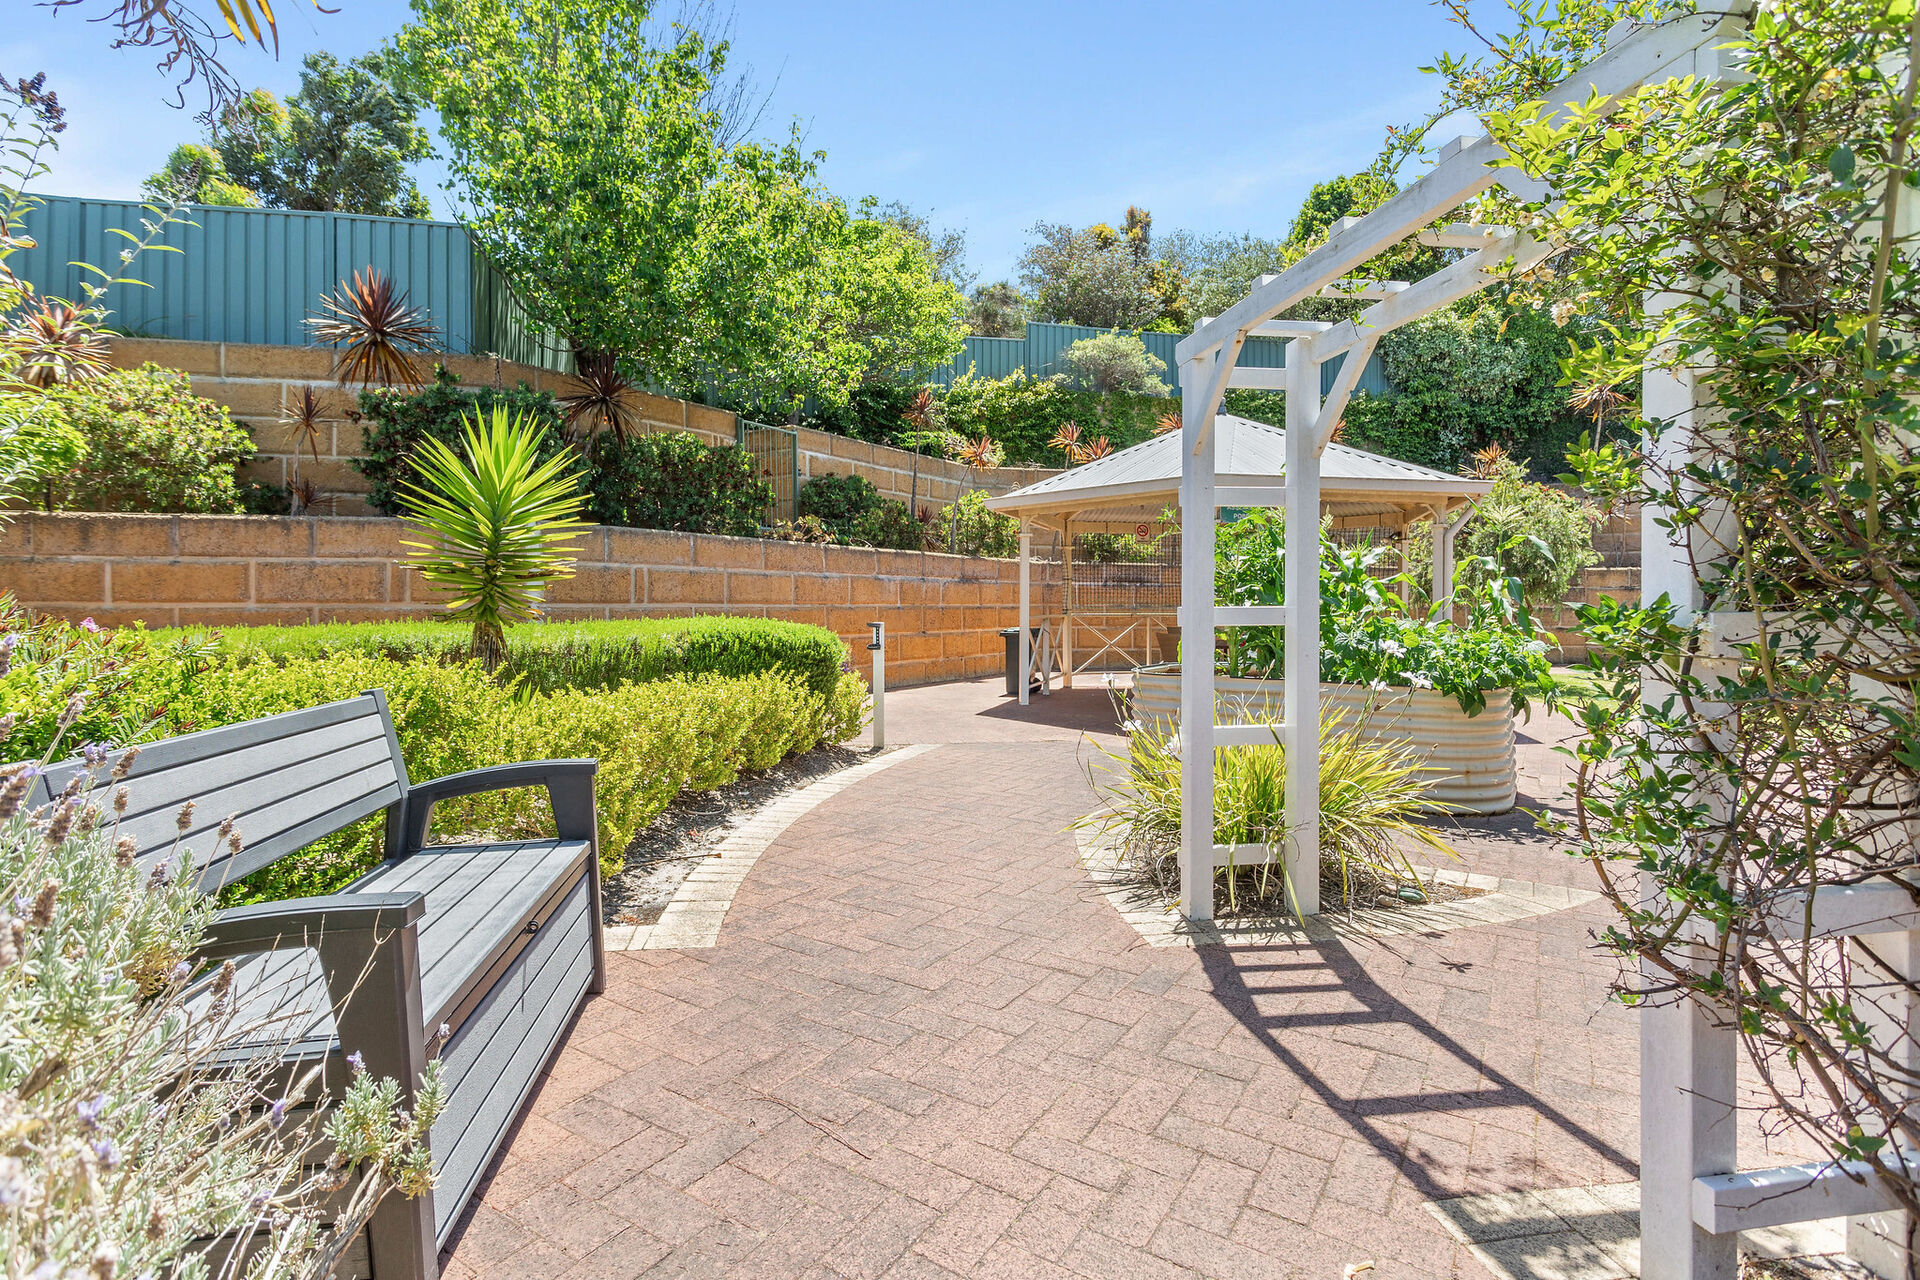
x,y
381,1019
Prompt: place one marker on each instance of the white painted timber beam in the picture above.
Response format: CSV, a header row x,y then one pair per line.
x,y
1248,735
1367,289
1216,387
1846,911
1681,46
1271,495
1461,235
1242,615
1728,1202
1449,284
1258,379
1335,404
1291,328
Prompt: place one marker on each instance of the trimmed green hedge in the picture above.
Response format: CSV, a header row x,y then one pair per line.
x,y
550,657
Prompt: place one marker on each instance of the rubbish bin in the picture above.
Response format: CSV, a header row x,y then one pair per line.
x,y
1012,636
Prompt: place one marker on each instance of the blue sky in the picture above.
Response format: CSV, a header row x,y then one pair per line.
x,y
988,116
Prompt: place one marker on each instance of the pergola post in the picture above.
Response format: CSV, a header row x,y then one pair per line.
x,y
1197,513
1026,610
1066,602
1301,732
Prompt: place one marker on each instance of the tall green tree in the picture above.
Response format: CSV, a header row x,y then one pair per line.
x,y
341,143
1103,276
589,149
195,173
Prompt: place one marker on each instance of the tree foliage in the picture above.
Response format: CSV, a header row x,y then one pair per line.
x,y
591,159
1102,276
342,142
1110,363
195,174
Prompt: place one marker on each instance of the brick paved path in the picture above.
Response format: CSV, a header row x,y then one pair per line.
x,y
926,1047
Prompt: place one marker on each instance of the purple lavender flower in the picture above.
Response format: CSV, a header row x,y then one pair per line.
x,y
94,753
357,1062
91,1109
106,1152
181,971
277,1113
88,624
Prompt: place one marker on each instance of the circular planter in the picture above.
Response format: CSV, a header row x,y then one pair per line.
x,y
1472,756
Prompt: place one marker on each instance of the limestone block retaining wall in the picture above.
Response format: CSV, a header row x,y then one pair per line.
x,y
259,384
943,613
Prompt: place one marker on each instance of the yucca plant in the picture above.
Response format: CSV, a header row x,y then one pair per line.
x,y
376,328
499,523
1371,795
604,399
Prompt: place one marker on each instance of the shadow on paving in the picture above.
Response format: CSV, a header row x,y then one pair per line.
x,y
1238,975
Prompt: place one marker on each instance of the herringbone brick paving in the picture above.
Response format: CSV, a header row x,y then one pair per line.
x,y
926,1047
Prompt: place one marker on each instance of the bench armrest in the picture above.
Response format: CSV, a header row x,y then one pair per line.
x,y
299,922
569,785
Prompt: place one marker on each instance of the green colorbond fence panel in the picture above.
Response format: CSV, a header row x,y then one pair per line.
x,y
256,275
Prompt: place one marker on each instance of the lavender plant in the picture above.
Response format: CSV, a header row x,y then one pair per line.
x,y
145,1126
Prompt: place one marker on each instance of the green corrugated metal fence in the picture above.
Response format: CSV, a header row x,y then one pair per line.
x,y
255,275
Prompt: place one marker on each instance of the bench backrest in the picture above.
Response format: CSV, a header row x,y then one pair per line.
x,y
286,780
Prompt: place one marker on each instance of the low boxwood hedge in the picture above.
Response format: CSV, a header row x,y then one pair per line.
x,y
549,657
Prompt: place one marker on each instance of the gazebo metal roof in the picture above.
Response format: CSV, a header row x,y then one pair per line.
x,y
1146,477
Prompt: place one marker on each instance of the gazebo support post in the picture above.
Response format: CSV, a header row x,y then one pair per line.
x,y
1301,731
1197,514
1026,610
1066,602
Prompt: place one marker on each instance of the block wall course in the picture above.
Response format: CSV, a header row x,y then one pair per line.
x,y
258,383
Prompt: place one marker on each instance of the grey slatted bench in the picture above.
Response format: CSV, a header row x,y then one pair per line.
x,y
500,943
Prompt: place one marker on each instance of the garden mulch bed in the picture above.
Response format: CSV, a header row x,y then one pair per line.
x,y
693,827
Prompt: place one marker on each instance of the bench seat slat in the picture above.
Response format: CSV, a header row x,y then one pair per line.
x,y
462,927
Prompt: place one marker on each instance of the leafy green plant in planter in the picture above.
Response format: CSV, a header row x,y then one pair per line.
x,y
396,421
499,525
1539,536
1368,635
671,480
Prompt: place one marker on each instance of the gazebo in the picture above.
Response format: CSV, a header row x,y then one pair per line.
x,y
1136,488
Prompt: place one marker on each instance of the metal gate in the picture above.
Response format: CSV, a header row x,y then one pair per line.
x,y
776,456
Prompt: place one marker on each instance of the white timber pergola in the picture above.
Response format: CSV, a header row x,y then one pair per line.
x,y
1693,1199
1131,488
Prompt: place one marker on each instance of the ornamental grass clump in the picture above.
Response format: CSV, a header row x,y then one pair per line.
x,y
146,1127
1370,796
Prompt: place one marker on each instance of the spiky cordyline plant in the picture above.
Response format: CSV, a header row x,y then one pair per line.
x,y
306,420
1067,440
605,400
1169,421
499,524
1096,448
56,343
375,327
980,454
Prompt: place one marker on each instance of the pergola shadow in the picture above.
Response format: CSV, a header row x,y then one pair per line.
x,y
1234,972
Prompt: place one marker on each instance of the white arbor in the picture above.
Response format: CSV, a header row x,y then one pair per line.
x,y
1466,168
1693,1200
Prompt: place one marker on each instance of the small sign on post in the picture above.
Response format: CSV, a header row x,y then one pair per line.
x,y
878,648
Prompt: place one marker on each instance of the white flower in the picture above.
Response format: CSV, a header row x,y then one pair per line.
x,y
1393,648
1378,686
1420,680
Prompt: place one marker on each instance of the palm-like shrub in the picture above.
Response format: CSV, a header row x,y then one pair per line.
x,y
376,329
499,524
